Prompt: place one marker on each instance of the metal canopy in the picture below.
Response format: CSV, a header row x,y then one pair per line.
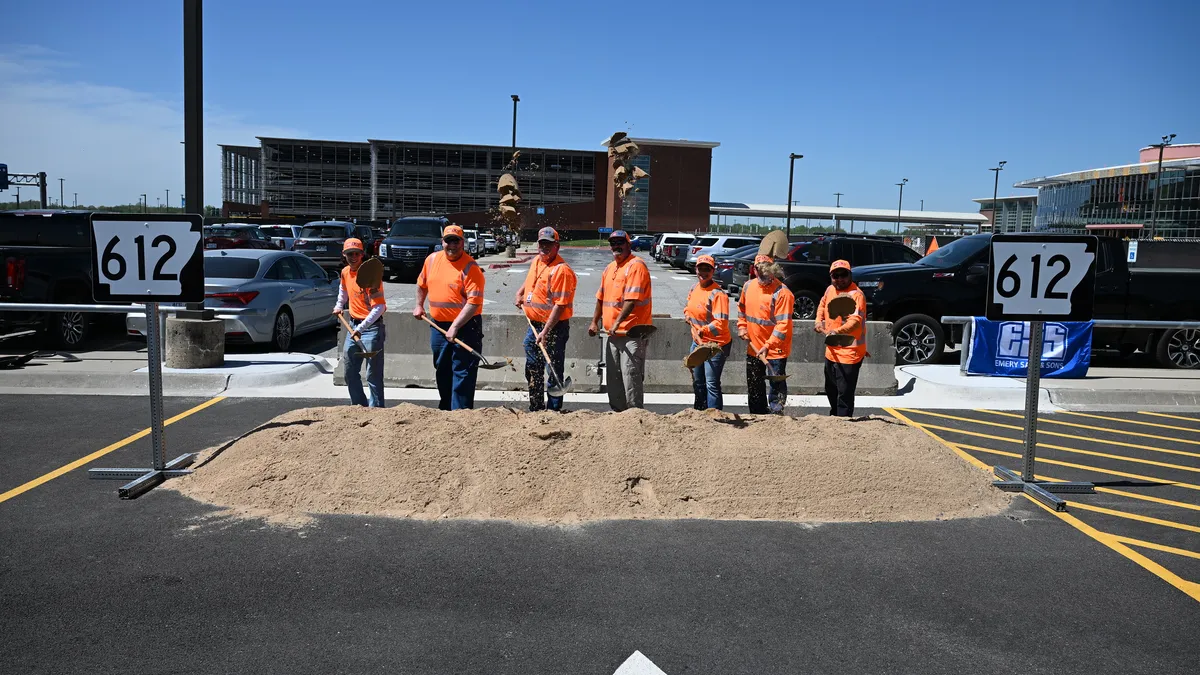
x,y
846,213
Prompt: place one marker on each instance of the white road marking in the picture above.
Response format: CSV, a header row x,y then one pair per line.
x,y
513,271
583,274
679,278
653,277
638,664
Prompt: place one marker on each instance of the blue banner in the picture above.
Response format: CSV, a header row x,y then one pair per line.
x,y
1002,348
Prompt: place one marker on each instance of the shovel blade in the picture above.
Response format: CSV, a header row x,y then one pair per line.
x,y
492,366
560,390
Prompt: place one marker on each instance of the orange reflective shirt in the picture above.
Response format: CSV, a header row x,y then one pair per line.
x,y
707,312
547,285
629,280
854,325
361,300
452,285
765,313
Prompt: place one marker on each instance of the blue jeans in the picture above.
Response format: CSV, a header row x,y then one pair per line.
x,y
456,368
372,338
535,364
764,395
706,380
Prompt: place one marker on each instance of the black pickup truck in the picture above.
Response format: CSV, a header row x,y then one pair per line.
x,y
46,257
952,281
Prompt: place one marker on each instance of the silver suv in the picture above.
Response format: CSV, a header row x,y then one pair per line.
x,y
716,244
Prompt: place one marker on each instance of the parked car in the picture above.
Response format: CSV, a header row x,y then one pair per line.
x,y
472,242
725,263
952,281
642,242
46,257
409,242
236,235
668,240
678,256
489,244
322,241
716,244
295,294
806,267
282,235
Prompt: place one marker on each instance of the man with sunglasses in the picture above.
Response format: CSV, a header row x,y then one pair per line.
x,y
842,361
367,306
548,299
623,302
453,284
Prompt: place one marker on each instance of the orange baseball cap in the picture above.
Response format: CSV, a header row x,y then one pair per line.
x,y
352,244
839,265
706,260
763,259
547,234
453,231
619,234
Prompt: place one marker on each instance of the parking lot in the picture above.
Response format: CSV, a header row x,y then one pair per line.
x,y
162,584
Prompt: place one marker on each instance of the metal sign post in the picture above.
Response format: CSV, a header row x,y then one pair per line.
x,y
1034,278
148,259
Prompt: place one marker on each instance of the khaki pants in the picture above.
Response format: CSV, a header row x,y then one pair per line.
x,y
625,367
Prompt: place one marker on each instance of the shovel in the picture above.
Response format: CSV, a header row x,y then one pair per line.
x,y
771,378
563,386
483,362
350,331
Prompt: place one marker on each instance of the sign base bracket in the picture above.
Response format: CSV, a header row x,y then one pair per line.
x,y
1042,490
145,480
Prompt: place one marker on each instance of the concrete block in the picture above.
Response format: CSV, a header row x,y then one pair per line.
x,y
408,361
192,343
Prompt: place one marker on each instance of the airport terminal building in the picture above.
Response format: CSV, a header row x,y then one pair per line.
x,y
382,180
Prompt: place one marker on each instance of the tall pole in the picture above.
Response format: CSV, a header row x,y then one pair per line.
x,y
75,200
839,199
515,99
900,206
193,102
62,205
145,203
18,196
1166,140
995,191
167,203
791,177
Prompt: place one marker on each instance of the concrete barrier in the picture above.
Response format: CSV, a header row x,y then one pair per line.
x,y
408,361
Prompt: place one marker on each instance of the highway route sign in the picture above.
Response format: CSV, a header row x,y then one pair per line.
x,y
147,258
1041,277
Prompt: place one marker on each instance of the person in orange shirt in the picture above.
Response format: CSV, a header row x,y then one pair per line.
x,y
623,302
842,362
367,306
453,283
707,312
765,320
548,299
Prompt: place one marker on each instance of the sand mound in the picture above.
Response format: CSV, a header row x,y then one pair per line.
x,y
411,461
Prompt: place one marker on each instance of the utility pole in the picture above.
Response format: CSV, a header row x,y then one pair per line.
x,y
900,206
60,193
75,200
995,188
791,176
1166,140
167,203
839,199
145,203
515,99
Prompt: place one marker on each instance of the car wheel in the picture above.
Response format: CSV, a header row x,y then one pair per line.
x,y
1180,349
805,306
919,339
281,336
69,330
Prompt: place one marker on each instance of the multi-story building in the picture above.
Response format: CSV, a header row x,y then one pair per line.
x,y
1008,214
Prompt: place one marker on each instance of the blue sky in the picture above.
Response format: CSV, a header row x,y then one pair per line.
x,y
870,92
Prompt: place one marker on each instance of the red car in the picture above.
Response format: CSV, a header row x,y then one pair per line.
x,y
236,236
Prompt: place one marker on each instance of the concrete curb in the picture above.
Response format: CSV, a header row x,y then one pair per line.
x,y
1117,399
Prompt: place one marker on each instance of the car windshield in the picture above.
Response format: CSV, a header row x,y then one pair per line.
x,y
226,267
232,232
955,253
277,231
324,232
706,242
417,227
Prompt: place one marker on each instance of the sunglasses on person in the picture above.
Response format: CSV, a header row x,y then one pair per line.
x,y
353,254
451,240
617,245
840,274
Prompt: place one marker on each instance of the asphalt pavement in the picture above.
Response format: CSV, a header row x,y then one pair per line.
x,y
94,584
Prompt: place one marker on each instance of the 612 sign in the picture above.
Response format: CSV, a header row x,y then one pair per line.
x,y
147,258
1042,277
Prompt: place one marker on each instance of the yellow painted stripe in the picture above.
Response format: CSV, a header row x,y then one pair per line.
x,y
1110,430
971,459
1147,498
1173,417
1137,422
20,489
1134,516
1085,467
1047,432
1158,547
1063,448
1191,589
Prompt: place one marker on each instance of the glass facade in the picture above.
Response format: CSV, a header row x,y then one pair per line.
x,y
635,211
1011,215
241,174
1072,206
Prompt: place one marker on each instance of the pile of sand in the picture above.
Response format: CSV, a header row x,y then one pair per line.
x,y
412,461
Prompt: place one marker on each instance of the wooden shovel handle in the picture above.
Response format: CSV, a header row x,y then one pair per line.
x,y
350,332
458,342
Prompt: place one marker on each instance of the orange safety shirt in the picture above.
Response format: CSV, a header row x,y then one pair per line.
x,y
855,325
629,280
451,284
361,300
547,285
707,312
765,313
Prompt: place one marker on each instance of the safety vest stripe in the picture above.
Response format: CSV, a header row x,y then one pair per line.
x,y
474,294
721,315
538,305
758,321
560,296
634,289
641,303
779,334
608,303
447,305
779,317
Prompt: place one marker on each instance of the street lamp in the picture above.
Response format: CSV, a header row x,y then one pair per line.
x,y
167,203
995,188
901,204
791,176
515,99
1166,140
61,204
145,204
75,200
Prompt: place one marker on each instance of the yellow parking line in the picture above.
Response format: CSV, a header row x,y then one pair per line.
x,y
1047,432
1146,498
20,489
1173,417
1134,516
966,456
1191,589
1110,430
1084,467
1063,448
1120,419
1157,547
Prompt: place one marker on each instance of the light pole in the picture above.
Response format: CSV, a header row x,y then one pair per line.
x,y
515,99
995,190
167,203
18,196
791,175
60,193
839,199
1166,140
837,223
75,200
901,204
145,203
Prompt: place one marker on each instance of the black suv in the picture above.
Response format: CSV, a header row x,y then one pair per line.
x,y
806,267
409,242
